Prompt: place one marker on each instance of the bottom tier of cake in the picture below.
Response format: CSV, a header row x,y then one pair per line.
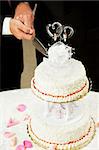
x,y
70,145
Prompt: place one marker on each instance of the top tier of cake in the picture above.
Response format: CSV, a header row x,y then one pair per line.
x,y
60,78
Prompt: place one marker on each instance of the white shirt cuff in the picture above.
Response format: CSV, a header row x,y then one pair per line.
x,y
6,26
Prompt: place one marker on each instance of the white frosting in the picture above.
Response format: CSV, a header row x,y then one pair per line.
x,y
52,128
75,145
59,74
59,53
48,77
67,98
60,132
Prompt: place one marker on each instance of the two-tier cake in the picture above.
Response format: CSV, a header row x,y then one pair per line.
x,y
60,113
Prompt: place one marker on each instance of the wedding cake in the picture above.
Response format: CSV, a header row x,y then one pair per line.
x,y
58,78
60,113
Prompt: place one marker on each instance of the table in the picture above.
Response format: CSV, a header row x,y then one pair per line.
x,y
9,102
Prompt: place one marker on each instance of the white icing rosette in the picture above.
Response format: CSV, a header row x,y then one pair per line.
x,y
59,53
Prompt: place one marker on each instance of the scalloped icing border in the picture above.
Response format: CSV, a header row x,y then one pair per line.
x,y
64,146
61,99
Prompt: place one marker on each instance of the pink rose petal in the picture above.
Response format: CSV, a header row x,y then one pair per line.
x,y
27,144
9,134
20,147
12,122
21,107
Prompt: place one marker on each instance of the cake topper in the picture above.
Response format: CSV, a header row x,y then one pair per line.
x,y
57,31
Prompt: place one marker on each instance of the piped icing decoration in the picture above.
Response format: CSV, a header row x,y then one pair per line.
x,y
59,96
59,53
77,144
21,107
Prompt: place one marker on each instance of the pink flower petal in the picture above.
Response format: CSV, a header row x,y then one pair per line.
x,y
27,144
12,122
20,147
21,107
9,134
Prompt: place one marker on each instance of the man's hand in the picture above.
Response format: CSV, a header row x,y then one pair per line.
x,y
21,25
24,13
21,31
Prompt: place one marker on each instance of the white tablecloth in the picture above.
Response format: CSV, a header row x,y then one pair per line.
x,y
9,100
